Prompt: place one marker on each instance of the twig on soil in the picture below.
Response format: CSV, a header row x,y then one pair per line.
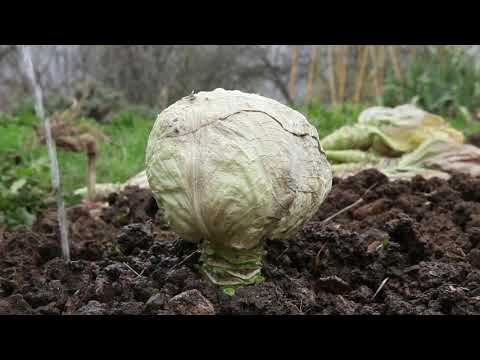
x,y
295,306
359,201
132,269
343,300
181,262
289,277
317,258
380,288
283,252
455,257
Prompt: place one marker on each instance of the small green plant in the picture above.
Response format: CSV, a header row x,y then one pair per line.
x,y
463,123
22,190
384,245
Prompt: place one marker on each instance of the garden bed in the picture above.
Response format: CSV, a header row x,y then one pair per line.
x,y
410,247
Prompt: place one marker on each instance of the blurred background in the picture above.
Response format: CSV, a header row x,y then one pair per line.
x,y
114,92
154,75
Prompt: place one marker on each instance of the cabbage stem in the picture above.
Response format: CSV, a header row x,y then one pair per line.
x,y
231,268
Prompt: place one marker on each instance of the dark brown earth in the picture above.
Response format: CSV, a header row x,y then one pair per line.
x,y
474,139
411,247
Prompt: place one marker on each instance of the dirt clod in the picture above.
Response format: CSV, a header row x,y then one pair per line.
x,y
191,302
92,308
135,236
333,284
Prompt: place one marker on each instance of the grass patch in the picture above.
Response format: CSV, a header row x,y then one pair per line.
x,y
329,118
117,161
462,123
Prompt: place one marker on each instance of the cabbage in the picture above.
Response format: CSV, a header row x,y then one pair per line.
x,y
401,142
391,132
231,170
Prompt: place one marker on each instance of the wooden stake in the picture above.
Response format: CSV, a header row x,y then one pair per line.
x,y
341,70
381,68
374,73
412,58
90,146
413,51
164,98
311,74
362,60
394,52
331,65
319,75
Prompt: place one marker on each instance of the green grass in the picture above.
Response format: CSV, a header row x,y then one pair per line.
x,y
117,161
329,118
462,123
442,80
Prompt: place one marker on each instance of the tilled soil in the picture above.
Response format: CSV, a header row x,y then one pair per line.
x,y
410,247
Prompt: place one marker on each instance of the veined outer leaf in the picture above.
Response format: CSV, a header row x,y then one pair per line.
x,y
224,164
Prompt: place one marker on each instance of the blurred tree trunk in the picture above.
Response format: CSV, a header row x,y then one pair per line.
x,y
362,61
341,70
318,75
381,67
394,52
292,86
312,70
164,101
375,72
331,66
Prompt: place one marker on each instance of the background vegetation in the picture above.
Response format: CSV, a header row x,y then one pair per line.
x,y
330,85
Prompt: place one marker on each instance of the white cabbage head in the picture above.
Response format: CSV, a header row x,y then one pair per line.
x,y
231,170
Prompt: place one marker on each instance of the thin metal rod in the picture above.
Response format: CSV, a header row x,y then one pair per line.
x,y
27,66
